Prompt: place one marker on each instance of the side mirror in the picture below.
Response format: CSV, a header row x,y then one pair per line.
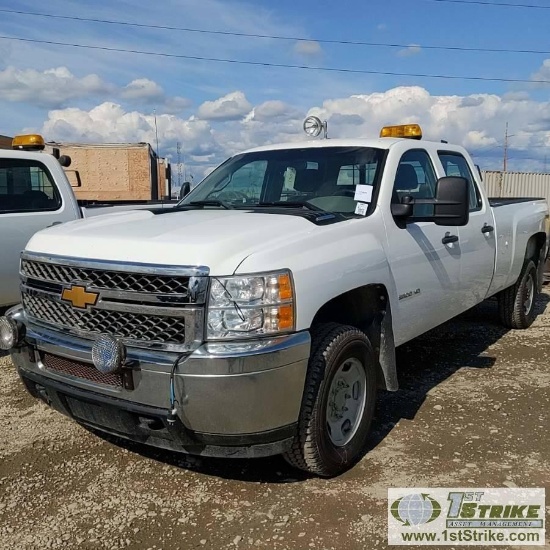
x,y
184,190
403,209
65,161
452,204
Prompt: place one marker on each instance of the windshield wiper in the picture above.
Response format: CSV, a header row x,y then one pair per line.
x,y
210,202
292,204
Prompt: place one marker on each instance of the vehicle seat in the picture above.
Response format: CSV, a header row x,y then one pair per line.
x,y
307,181
406,183
406,180
36,200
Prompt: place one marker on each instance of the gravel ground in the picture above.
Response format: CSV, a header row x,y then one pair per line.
x,y
474,410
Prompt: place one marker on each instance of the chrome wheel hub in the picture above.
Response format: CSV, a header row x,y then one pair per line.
x,y
346,402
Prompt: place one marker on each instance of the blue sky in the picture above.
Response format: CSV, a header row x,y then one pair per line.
x,y
215,109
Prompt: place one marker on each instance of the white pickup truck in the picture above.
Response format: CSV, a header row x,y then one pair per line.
x,y
34,194
261,315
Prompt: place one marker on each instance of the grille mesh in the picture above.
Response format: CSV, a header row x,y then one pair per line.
x,y
106,279
80,370
135,326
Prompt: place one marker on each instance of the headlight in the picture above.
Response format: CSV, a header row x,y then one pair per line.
x,y
11,333
251,305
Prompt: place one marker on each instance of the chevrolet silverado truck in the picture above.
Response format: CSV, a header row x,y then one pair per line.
x,y
261,315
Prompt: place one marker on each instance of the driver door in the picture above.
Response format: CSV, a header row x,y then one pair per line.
x,y
424,258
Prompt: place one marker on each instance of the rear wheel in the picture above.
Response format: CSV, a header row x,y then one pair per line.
x,y
517,304
338,402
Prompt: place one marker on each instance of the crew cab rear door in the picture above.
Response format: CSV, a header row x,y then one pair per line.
x,y
424,258
29,201
477,238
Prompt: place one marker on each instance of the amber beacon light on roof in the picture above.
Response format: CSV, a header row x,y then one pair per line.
x,y
35,142
411,131
28,142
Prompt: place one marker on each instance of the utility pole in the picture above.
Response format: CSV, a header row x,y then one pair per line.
x,y
156,132
180,166
505,164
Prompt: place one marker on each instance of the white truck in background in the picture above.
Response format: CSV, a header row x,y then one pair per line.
x,y
34,194
261,314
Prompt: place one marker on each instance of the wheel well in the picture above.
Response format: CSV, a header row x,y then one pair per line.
x,y
357,307
536,251
368,309
535,245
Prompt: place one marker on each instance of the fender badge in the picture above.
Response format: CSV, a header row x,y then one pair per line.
x,y
409,294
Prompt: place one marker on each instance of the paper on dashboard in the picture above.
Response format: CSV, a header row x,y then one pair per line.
x,y
363,193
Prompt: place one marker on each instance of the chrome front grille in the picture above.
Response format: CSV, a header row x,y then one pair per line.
x,y
146,306
106,279
132,326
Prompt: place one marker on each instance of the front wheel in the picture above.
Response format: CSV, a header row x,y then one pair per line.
x,y
338,402
517,304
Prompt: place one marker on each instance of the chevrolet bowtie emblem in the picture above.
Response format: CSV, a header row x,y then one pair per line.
x,y
79,297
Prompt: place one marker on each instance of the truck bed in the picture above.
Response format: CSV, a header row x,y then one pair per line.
x,y
495,202
513,224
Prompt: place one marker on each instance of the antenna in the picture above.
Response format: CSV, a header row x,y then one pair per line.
x,y
156,132
507,136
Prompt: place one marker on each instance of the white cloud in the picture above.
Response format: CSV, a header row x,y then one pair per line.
x,y
308,48
543,73
175,105
109,122
410,50
274,109
143,90
516,96
232,106
49,88
475,121
57,87
382,27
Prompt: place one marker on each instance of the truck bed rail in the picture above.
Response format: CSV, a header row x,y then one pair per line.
x,y
495,202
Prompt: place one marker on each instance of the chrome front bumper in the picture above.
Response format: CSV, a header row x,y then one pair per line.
x,y
227,394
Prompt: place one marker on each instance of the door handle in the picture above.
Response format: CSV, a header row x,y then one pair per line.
x,y
487,228
54,223
448,239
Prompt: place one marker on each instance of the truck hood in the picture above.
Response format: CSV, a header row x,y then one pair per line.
x,y
218,239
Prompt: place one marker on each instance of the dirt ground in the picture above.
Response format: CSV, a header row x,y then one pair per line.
x,y
474,411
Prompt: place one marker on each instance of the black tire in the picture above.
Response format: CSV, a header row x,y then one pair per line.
x,y
312,449
546,272
513,302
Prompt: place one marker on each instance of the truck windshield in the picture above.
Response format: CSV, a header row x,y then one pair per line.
x,y
318,178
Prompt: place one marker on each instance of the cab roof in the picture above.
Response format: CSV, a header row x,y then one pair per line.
x,y
379,143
